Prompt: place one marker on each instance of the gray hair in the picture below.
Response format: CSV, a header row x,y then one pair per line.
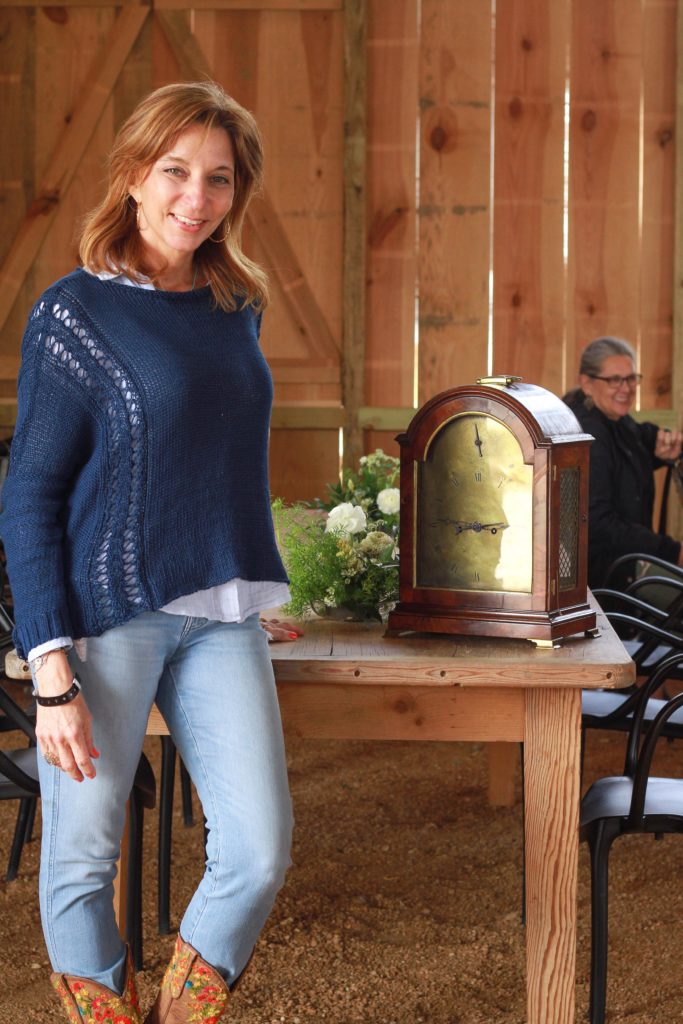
x,y
594,355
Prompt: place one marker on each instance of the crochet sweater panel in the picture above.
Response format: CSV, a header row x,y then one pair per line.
x,y
138,471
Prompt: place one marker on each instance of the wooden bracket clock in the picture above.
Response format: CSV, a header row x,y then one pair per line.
x,y
494,515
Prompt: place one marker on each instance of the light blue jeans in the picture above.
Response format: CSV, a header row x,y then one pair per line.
x,y
214,685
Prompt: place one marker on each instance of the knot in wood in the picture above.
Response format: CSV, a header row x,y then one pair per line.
x,y
526,43
588,121
441,129
663,385
515,108
664,137
43,204
57,14
516,300
438,138
384,223
590,309
403,705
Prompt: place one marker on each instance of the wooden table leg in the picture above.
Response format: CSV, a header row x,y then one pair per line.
x,y
551,778
503,758
121,880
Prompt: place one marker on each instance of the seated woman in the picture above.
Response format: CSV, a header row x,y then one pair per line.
x,y
623,457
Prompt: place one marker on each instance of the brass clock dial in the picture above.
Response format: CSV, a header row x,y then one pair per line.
x,y
473,515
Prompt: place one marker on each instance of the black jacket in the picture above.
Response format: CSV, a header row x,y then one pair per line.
x,y
622,491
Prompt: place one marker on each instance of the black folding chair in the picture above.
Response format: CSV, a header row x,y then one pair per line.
x,y
634,802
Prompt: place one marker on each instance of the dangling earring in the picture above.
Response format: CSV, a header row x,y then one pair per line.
x,y
137,207
226,236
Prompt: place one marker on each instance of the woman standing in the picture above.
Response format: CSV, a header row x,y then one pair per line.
x,y
623,457
140,549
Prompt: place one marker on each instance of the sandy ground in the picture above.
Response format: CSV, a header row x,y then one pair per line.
x,y
403,905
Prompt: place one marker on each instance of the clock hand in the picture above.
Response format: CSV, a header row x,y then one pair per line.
x,y
494,527
479,443
460,524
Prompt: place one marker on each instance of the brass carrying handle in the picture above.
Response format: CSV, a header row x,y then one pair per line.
x,y
505,380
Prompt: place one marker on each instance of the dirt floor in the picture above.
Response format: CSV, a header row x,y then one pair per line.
x,y
403,905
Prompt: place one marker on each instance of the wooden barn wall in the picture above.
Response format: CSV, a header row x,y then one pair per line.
x,y
516,191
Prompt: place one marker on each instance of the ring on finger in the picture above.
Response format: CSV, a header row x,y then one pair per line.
x,y
52,758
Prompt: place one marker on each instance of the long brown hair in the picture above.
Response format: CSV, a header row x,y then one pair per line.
x,y
110,240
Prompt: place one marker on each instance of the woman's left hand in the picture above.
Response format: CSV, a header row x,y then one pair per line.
x,y
668,444
281,631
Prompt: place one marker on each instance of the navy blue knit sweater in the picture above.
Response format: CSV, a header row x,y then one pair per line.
x,y
138,469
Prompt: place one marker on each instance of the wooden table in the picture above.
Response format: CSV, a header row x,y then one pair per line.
x,y
348,681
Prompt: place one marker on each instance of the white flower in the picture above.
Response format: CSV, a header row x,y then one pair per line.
x,y
346,518
388,501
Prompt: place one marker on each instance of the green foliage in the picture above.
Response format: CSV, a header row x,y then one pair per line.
x,y
375,472
354,563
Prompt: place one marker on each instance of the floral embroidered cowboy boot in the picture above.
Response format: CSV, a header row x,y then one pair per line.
x,y
191,991
87,1001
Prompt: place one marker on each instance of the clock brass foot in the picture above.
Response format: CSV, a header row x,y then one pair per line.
x,y
593,633
546,644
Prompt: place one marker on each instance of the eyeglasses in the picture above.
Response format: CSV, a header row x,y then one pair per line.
x,y
615,381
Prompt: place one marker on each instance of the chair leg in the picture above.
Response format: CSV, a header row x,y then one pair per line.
x,y
521,759
134,894
186,789
30,821
19,837
168,758
602,834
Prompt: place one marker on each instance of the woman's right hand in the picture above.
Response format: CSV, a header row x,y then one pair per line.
x,y
64,730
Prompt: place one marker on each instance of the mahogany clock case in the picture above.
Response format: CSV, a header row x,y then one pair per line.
x,y
552,444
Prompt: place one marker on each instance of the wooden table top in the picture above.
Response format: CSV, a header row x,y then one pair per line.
x,y
354,652
360,653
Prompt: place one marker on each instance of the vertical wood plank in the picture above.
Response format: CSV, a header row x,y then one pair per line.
x,y
17,178
675,518
84,118
551,786
354,258
455,152
252,53
136,78
528,262
604,181
302,463
657,243
392,184
68,45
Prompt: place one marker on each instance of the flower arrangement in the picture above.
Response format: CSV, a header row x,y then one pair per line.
x,y
342,553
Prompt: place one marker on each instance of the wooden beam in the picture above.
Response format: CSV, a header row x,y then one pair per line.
x,y
307,417
191,58
69,3
354,273
262,216
214,5
68,154
384,417
308,316
250,5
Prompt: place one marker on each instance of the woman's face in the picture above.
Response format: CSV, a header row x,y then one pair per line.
x,y
613,401
186,195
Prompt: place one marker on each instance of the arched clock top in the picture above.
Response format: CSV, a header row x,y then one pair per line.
x,y
523,408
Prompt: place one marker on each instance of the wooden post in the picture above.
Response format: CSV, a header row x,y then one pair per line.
x,y
353,306
552,740
676,523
